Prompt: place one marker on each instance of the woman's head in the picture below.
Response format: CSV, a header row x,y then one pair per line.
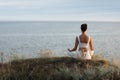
x,y
83,27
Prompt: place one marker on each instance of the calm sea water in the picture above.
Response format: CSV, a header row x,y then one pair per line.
x,y
28,38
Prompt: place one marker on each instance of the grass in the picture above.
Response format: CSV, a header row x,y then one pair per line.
x,y
59,68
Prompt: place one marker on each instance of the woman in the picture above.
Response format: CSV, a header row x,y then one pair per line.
x,y
84,41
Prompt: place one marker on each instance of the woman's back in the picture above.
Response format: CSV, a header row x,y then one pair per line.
x,y
84,38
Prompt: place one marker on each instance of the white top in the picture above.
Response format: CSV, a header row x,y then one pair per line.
x,y
83,45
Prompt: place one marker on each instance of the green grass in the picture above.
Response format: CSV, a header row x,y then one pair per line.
x,y
59,68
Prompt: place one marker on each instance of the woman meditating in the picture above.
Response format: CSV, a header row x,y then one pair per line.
x,y
84,41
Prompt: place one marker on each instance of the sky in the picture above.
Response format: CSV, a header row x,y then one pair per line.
x,y
59,10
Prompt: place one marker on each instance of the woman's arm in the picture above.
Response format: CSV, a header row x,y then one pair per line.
x,y
75,46
91,44
91,47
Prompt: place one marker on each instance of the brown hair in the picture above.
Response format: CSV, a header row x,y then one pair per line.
x,y
84,27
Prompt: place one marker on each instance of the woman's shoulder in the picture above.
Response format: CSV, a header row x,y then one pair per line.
x,y
90,38
78,36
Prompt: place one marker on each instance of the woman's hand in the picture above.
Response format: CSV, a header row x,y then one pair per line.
x,y
91,52
69,50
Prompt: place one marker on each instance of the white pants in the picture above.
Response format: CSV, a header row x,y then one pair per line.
x,y
79,54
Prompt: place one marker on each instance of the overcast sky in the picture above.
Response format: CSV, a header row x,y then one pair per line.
x,y
72,10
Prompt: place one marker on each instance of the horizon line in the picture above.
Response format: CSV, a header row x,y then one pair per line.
x,y
55,21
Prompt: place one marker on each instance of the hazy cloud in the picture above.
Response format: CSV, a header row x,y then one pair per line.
x,y
60,10
30,3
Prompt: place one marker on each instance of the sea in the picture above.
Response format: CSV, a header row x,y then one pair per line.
x,y
29,38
